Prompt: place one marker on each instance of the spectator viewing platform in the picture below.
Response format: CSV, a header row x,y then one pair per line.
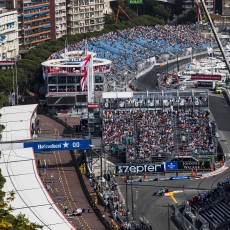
x,y
64,75
143,127
136,49
208,209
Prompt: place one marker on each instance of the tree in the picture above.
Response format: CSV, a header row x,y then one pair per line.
x,y
7,220
162,11
188,16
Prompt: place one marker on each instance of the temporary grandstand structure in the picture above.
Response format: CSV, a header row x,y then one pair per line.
x,y
18,166
31,198
63,77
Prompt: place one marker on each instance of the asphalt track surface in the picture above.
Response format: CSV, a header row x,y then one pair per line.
x,y
62,182
158,210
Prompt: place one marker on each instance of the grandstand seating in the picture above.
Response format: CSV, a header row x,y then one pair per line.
x,y
213,206
158,125
127,47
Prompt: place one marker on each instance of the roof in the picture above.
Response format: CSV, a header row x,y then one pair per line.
x,y
31,198
17,122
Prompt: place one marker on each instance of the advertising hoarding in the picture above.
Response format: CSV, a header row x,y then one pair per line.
x,y
210,77
135,2
44,146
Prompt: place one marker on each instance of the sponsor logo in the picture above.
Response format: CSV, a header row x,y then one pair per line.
x,y
180,178
139,168
52,146
205,77
171,165
58,145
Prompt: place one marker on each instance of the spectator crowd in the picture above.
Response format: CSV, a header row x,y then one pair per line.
x,y
126,48
213,206
145,133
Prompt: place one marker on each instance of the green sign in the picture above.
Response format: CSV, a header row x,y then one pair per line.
x,y
135,1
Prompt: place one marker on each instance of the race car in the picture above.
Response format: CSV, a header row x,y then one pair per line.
x,y
161,192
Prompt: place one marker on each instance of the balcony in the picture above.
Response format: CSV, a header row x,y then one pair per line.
x,y
37,41
30,19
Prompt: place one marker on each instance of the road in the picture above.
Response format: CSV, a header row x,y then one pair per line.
x,y
156,208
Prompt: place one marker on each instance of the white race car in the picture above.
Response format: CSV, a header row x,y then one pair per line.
x,y
161,192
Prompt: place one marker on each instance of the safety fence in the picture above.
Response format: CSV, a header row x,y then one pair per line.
x,y
188,219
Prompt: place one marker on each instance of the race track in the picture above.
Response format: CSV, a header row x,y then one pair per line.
x,y
156,208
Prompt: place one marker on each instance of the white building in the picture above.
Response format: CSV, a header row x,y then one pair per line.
x,y
107,8
188,4
9,43
85,16
60,18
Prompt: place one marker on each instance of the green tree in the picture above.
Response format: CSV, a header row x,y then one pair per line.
x,y
7,220
188,16
162,11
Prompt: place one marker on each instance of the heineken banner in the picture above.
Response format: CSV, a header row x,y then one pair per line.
x,y
139,168
135,1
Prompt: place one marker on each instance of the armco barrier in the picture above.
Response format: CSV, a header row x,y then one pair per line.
x,y
179,178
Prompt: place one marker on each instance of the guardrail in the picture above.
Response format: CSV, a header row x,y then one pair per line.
x,y
87,195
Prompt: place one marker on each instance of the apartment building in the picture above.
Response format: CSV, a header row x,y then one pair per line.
x,y
226,7
85,16
58,18
34,22
188,4
9,43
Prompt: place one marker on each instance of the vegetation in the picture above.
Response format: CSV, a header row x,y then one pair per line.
x,y
8,221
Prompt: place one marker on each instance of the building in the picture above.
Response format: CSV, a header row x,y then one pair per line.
x,y
9,43
63,79
226,7
107,8
34,22
58,18
188,4
85,16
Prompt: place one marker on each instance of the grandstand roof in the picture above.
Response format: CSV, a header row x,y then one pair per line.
x,y
31,198
17,122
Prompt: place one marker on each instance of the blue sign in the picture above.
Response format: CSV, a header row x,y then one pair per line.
x,y
58,145
171,165
180,178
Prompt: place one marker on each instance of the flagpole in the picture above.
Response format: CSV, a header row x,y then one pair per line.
x,y
92,78
88,82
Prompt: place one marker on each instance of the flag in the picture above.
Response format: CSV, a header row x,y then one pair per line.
x,y
85,62
83,80
65,51
210,50
84,66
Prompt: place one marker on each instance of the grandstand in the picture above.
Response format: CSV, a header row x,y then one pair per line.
x,y
152,126
207,210
129,49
